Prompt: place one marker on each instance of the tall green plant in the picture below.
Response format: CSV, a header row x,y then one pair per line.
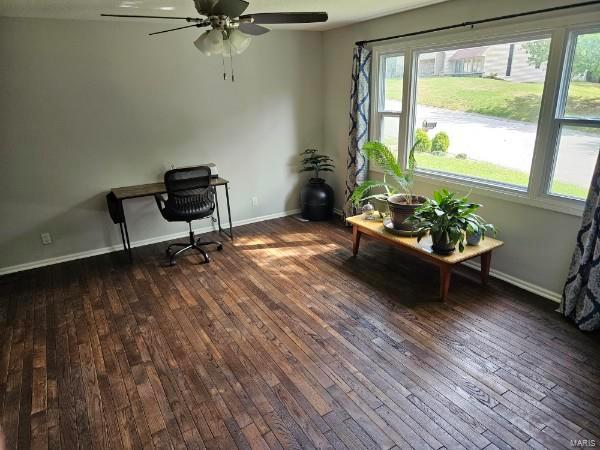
x,y
395,180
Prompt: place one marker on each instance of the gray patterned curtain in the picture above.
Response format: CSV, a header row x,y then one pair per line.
x,y
581,296
356,165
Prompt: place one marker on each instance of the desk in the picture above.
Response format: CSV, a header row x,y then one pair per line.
x,y
375,229
148,190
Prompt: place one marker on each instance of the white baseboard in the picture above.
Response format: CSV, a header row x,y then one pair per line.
x,y
530,287
140,243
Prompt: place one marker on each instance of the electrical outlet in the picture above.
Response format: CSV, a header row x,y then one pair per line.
x,y
255,201
46,238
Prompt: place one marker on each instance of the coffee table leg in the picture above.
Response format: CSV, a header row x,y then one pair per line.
x,y
486,259
355,240
445,274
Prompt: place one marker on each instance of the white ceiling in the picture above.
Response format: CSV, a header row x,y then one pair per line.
x,y
341,12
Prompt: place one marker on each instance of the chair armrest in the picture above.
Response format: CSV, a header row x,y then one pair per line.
x,y
160,201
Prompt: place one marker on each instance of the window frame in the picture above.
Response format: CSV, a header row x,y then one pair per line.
x,y
379,110
546,145
467,44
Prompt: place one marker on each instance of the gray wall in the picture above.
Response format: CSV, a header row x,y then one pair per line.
x,y
86,106
539,242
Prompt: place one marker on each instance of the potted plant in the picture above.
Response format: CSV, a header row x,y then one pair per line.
x,y
316,197
477,229
397,184
447,218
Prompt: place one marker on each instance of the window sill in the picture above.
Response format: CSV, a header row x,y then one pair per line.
x,y
562,205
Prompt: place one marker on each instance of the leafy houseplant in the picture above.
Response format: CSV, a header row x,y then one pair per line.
x,y
313,162
397,184
395,180
447,218
316,197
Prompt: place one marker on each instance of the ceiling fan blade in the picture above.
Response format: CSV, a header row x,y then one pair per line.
x,y
252,29
230,8
287,17
205,7
197,25
189,19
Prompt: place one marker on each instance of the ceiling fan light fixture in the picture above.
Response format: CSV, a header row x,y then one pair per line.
x,y
238,42
210,43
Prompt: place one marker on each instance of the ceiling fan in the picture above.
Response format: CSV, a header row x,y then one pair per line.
x,y
230,29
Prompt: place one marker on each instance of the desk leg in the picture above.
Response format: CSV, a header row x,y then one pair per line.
x,y
445,274
229,212
355,240
124,227
217,208
221,230
486,260
122,236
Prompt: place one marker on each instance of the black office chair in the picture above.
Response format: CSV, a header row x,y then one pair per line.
x,y
189,197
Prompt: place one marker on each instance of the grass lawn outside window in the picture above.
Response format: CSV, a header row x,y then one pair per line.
x,y
496,98
488,171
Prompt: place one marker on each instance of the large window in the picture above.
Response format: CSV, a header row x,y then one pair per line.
x,y
578,118
477,111
495,113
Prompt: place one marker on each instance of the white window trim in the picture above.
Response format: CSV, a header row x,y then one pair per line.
x,y
558,119
379,113
537,194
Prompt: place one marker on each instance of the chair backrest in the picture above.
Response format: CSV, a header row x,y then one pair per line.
x,y
189,190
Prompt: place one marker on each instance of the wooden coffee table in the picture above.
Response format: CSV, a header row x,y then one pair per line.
x,y
375,229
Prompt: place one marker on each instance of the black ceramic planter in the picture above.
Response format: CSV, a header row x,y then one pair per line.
x,y
443,247
316,200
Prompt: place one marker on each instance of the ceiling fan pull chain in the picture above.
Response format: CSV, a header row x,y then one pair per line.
x,y
224,70
231,61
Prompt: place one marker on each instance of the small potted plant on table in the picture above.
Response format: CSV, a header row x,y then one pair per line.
x,y
397,184
316,197
447,218
477,230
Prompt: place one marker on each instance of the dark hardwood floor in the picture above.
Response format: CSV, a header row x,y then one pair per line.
x,y
286,341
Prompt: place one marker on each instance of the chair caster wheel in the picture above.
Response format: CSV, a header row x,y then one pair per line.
x,y
220,247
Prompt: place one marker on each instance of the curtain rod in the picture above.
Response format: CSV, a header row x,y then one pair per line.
x,y
477,22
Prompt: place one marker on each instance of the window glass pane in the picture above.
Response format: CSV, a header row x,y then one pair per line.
x,y
389,132
485,102
392,73
583,99
575,161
